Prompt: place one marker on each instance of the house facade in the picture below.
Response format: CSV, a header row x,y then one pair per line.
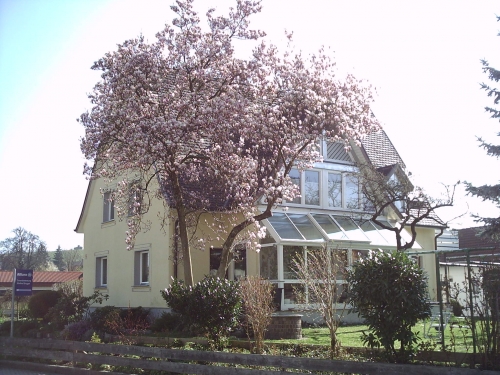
x,y
329,212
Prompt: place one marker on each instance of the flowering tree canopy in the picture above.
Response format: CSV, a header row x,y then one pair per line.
x,y
205,131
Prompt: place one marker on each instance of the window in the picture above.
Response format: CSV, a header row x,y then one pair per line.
x,y
144,267
351,192
101,272
141,267
215,257
269,262
326,189
237,268
134,200
240,264
295,292
108,207
290,254
311,188
334,190
295,177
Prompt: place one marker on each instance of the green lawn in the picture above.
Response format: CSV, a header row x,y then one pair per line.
x,y
457,338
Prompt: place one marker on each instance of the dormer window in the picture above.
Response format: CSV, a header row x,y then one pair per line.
x,y
335,151
396,186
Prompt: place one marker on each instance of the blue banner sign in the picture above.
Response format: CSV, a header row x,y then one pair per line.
x,y
23,285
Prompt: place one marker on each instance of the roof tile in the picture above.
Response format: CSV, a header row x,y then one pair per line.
x,y
380,150
50,277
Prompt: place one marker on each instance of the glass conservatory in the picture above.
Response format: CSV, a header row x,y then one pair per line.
x,y
290,234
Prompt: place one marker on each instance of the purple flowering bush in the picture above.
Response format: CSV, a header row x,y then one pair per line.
x,y
76,331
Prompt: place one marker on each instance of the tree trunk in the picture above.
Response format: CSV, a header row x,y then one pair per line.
x,y
228,243
183,233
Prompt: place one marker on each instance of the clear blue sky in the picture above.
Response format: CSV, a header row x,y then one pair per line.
x,y
422,57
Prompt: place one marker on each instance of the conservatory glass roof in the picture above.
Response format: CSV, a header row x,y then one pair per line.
x,y
321,227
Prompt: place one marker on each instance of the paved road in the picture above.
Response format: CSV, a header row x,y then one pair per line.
x,y
10,368
10,371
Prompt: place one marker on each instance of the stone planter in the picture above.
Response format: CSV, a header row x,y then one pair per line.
x,y
285,326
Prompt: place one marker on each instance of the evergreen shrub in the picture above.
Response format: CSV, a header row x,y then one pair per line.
x,y
212,306
41,302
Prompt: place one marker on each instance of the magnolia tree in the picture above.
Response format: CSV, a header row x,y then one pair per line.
x,y
188,123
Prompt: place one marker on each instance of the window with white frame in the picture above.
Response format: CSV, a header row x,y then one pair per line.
x,y
144,267
326,189
101,280
108,213
237,267
311,190
351,193
276,264
394,182
334,190
269,262
295,177
141,267
135,199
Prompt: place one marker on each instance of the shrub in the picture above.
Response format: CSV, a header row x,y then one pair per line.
x,y
213,305
456,307
41,302
5,326
20,327
72,306
116,321
133,321
135,313
106,319
258,307
389,291
27,326
167,322
77,331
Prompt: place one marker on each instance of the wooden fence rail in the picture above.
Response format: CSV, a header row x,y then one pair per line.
x,y
199,362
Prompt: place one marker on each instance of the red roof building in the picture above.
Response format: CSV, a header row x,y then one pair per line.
x,y
42,280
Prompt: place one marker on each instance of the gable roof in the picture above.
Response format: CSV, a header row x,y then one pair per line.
x,y
79,224
45,277
433,220
380,151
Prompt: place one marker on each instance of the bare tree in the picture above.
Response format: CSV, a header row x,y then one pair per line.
x,y
320,269
72,259
258,306
389,188
23,251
